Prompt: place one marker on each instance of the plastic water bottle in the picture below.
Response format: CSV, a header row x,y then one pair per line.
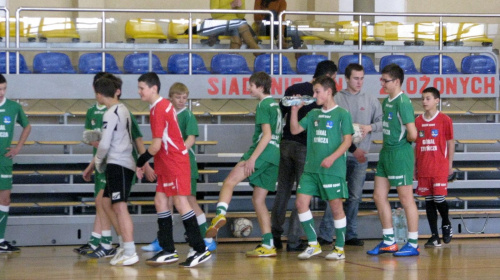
x,y
400,225
296,100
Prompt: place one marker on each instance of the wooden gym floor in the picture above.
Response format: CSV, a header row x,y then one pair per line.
x,y
461,259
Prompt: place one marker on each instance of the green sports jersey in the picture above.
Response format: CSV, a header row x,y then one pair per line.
x,y
189,126
325,131
267,112
93,121
397,113
11,113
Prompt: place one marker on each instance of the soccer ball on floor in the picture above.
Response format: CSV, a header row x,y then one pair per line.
x,y
357,136
242,227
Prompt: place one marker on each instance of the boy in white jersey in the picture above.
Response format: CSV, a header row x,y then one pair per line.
x,y
114,156
395,166
434,151
259,164
11,113
329,135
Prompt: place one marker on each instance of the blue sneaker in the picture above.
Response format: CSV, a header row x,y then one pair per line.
x,y
153,247
407,251
383,248
211,246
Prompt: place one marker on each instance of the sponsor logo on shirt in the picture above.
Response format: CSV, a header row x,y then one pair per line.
x,y
389,116
7,120
421,134
434,133
115,196
329,124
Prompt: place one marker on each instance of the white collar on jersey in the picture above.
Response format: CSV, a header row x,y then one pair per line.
x,y
432,118
390,100
180,111
3,102
156,102
100,107
327,111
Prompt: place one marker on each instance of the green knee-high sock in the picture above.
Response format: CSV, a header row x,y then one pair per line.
x,y
340,229
106,239
95,240
267,239
202,222
4,215
307,222
221,208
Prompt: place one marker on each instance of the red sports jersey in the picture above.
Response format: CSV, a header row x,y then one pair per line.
x,y
173,157
431,150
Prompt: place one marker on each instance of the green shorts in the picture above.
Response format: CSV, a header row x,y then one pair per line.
x,y
327,187
194,182
265,176
396,164
100,182
5,178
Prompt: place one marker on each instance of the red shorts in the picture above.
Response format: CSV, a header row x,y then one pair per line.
x,y
173,185
432,186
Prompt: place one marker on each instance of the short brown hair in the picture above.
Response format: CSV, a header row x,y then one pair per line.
x,y
262,79
178,88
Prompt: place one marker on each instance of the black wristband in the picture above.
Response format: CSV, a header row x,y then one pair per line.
x,y
143,159
352,148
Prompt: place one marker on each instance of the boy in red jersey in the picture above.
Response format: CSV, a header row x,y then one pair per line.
x,y
173,171
434,163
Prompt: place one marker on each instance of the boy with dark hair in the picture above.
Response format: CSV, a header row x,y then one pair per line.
x,y
395,165
259,164
173,170
10,113
329,135
434,150
114,156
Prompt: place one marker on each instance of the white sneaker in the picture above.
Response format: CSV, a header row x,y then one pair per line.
x,y
336,254
121,259
196,258
311,250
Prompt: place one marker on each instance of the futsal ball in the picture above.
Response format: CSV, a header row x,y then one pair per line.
x,y
242,227
357,136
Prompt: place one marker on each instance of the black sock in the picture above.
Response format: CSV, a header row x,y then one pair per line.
x,y
165,231
443,209
193,232
430,209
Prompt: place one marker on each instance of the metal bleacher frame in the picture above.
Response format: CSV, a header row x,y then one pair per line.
x,y
227,151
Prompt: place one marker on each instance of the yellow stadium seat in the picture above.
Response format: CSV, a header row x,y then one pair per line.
x,y
23,33
393,31
177,30
458,33
144,29
57,28
428,31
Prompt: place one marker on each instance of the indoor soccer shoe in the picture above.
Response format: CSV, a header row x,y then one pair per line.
x,y
311,250
262,251
383,248
217,222
121,259
153,247
5,247
163,257
407,251
433,242
211,245
336,254
447,233
83,250
196,258
100,252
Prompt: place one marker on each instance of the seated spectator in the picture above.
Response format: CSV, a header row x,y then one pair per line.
x,y
276,7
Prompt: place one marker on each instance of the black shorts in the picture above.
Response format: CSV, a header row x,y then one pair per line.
x,y
118,183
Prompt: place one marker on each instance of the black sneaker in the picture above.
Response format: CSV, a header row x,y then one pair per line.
x,y
277,242
196,258
101,252
163,257
298,248
433,242
447,233
323,242
354,242
5,247
83,250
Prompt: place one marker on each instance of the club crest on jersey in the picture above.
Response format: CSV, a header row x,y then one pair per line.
x,y
329,124
389,116
316,123
421,134
7,120
92,122
434,133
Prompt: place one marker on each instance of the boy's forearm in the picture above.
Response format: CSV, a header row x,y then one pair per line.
x,y
24,136
263,142
342,149
190,141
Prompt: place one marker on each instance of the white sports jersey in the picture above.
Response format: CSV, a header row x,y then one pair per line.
x,y
116,142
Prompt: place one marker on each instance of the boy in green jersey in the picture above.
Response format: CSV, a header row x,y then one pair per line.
x,y
259,164
10,114
329,135
396,164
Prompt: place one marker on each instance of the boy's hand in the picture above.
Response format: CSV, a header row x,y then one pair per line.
x,y
249,167
139,173
327,162
452,177
87,173
12,152
359,154
149,172
365,129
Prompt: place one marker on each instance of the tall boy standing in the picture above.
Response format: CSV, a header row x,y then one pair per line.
x,y
10,114
434,151
329,135
395,166
259,164
173,171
